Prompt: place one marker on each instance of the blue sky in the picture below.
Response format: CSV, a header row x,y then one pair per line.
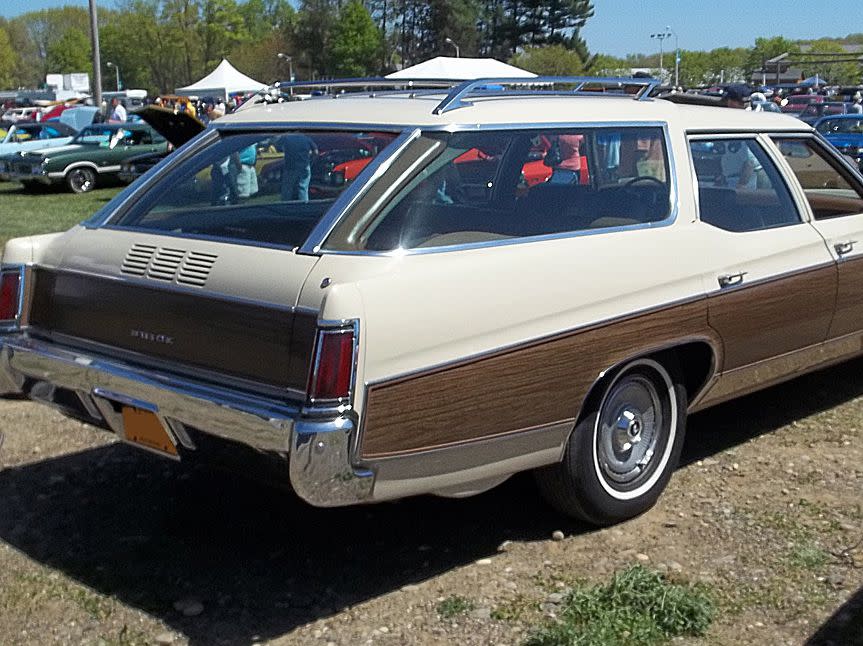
x,y
624,26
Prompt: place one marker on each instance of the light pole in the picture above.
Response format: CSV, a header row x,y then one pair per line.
x,y
290,61
661,37
669,30
97,68
117,70
454,44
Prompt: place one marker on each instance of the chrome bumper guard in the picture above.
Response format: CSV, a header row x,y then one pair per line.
x,y
318,450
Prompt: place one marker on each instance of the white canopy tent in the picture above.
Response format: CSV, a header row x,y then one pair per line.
x,y
460,69
222,81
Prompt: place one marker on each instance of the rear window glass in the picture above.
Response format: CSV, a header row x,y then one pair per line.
x,y
478,187
269,188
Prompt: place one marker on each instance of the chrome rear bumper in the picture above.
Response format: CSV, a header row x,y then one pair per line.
x,y
318,450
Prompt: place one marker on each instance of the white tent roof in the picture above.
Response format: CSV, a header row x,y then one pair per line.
x,y
223,80
462,69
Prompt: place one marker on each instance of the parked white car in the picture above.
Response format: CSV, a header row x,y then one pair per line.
x,y
514,280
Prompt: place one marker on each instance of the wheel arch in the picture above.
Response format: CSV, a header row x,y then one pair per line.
x,y
80,164
696,360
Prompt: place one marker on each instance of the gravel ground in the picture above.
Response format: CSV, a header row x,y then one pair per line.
x,y
103,544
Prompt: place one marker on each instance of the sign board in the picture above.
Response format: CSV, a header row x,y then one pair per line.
x,y
76,82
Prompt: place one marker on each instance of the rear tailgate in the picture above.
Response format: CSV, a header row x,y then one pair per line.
x,y
189,305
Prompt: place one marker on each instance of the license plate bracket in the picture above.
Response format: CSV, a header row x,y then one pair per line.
x,y
144,428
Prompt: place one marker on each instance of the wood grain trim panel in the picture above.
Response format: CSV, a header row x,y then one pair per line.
x,y
523,387
849,298
775,370
771,318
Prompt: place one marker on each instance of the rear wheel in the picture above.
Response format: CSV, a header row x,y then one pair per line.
x,y
621,456
81,179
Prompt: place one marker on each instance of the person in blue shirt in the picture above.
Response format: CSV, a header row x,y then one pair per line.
x,y
298,150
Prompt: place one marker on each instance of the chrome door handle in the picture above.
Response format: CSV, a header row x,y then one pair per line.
x,y
844,247
727,280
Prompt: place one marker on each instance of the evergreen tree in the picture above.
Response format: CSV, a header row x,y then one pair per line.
x,y
356,42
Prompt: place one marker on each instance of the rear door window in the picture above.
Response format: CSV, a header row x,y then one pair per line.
x,y
739,187
830,188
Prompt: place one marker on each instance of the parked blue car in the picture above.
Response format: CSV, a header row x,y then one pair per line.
x,y
846,133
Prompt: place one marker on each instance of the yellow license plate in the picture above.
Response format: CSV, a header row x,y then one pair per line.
x,y
143,428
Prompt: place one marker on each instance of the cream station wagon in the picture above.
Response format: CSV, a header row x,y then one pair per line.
x,y
513,278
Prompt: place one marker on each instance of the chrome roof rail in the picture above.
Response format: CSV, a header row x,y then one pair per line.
x,y
582,85
460,89
364,83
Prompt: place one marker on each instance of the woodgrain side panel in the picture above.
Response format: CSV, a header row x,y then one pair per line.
x,y
771,318
769,372
849,299
524,387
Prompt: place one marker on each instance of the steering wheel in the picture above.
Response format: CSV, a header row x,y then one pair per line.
x,y
644,178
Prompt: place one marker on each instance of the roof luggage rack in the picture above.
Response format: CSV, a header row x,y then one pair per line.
x,y
636,88
544,86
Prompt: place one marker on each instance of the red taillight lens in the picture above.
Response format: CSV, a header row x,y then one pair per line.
x,y
10,285
334,368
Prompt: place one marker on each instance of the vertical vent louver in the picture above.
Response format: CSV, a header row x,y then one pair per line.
x,y
169,264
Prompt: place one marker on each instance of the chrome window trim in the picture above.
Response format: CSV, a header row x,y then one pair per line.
x,y
356,190
146,181
370,174
673,193
825,146
763,140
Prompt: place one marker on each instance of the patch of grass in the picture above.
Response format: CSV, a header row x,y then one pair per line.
x,y
515,609
453,606
34,588
637,607
807,556
24,213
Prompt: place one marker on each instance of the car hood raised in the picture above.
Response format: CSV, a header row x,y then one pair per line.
x,y
176,127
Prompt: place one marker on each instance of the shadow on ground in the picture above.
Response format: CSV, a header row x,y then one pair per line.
x,y
844,627
150,532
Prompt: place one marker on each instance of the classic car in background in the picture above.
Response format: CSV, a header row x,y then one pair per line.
x,y
176,127
814,111
94,155
846,133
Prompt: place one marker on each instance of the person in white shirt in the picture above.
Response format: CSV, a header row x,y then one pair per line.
x,y
118,112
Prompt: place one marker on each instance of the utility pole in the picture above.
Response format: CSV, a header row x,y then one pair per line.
x,y
661,37
97,62
669,30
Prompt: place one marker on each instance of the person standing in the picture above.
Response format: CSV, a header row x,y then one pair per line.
x,y
298,150
857,106
118,111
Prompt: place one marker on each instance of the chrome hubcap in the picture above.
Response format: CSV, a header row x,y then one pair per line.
x,y
81,180
629,429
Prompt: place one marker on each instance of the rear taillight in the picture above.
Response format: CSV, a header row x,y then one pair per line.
x,y
10,295
333,371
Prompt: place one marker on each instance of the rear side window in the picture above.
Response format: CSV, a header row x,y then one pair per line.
x,y
739,187
264,187
829,188
479,187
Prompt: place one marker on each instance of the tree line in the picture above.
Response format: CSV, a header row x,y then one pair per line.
x,y
162,44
